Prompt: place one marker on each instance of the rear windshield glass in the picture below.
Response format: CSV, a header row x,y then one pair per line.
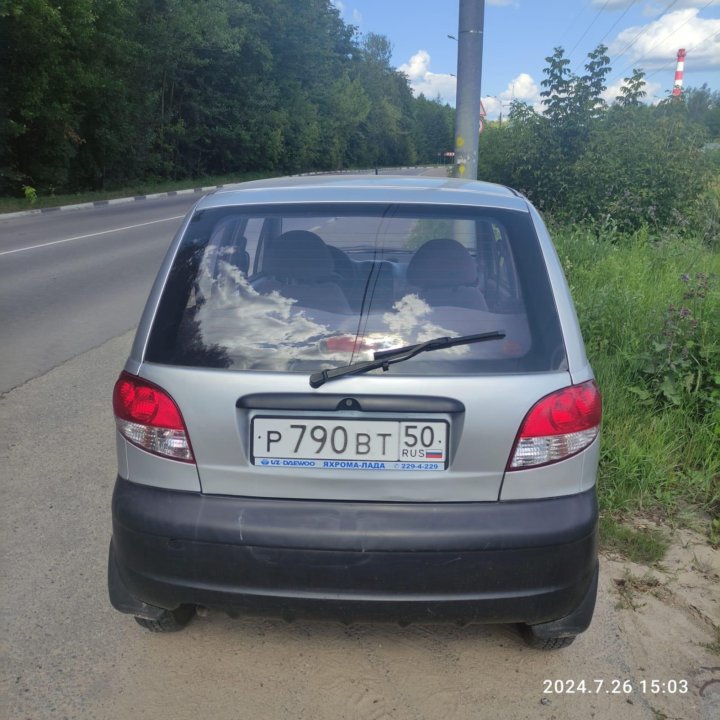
x,y
312,287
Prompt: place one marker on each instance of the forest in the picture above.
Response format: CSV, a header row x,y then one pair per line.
x,y
102,93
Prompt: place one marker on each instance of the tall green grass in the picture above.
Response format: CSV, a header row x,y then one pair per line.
x,y
656,455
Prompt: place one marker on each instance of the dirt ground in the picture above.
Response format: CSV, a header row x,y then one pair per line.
x,y
65,653
668,616
651,624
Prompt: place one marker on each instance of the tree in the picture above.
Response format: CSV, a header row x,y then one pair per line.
x,y
385,136
588,88
99,94
434,124
703,106
558,83
633,90
628,164
47,57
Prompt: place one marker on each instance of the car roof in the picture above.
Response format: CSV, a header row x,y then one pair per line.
x,y
359,188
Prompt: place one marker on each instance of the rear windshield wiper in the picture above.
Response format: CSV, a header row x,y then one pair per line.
x,y
384,358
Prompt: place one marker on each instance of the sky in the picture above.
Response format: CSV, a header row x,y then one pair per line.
x,y
520,34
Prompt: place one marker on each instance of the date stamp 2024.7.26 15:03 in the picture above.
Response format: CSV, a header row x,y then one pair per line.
x,y
616,686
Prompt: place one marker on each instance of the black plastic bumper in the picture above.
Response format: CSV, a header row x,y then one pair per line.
x,y
529,561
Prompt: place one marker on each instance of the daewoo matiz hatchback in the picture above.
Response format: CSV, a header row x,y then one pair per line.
x,y
361,398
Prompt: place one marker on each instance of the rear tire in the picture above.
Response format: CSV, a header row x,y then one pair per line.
x,y
538,642
169,620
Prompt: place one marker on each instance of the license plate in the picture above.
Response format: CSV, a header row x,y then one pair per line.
x,y
342,444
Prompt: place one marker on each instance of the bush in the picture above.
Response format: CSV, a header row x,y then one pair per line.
x,y
656,453
681,366
30,194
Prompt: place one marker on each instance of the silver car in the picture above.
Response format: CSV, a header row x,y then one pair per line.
x,y
360,398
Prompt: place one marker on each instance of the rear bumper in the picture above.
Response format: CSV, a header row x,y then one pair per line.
x,y
523,561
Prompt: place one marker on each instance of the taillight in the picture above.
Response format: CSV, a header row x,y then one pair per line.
x,y
558,426
148,417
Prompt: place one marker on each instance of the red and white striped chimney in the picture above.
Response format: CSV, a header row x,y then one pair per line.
x,y
679,70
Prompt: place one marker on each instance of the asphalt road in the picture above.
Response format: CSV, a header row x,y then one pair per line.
x,y
69,281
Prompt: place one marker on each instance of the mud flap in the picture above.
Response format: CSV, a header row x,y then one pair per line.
x,y
120,596
573,624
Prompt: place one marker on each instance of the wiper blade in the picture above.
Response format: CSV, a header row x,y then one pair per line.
x,y
384,358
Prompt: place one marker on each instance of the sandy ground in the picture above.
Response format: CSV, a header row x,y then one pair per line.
x,y
67,654
667,615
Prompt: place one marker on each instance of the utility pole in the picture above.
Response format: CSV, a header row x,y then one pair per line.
x,y
469,72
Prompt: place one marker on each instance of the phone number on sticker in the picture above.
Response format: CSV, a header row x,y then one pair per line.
x,y
420,466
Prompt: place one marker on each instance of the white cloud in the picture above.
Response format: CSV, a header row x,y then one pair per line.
x,y
418,65
339,5
356,16
430,84
522,87
656,44
656,8
651,8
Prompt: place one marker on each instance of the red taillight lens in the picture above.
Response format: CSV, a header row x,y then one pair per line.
x,y
569,410
148,417
139,401
558,426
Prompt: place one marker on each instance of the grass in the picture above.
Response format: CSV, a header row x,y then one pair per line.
x,y
645,546
13,204
631,587
657,455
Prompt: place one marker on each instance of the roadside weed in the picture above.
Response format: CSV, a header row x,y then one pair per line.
x,y
648,305
645,546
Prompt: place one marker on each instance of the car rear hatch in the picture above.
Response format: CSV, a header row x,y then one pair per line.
x,y
259,299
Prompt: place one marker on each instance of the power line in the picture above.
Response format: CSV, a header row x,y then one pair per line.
x,y
610,29
627,10
714,33
669,65
587,29
635,62
573,21
644,30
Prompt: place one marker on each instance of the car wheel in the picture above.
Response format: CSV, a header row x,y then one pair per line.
x,y
544,642
169,620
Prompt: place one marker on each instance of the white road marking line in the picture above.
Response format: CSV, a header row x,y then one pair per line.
x,y
82,237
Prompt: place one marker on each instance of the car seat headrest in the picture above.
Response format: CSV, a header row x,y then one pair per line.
x,y
299,255
442,263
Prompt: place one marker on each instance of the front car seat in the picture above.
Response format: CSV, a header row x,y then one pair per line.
x,y
299,265
444,273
